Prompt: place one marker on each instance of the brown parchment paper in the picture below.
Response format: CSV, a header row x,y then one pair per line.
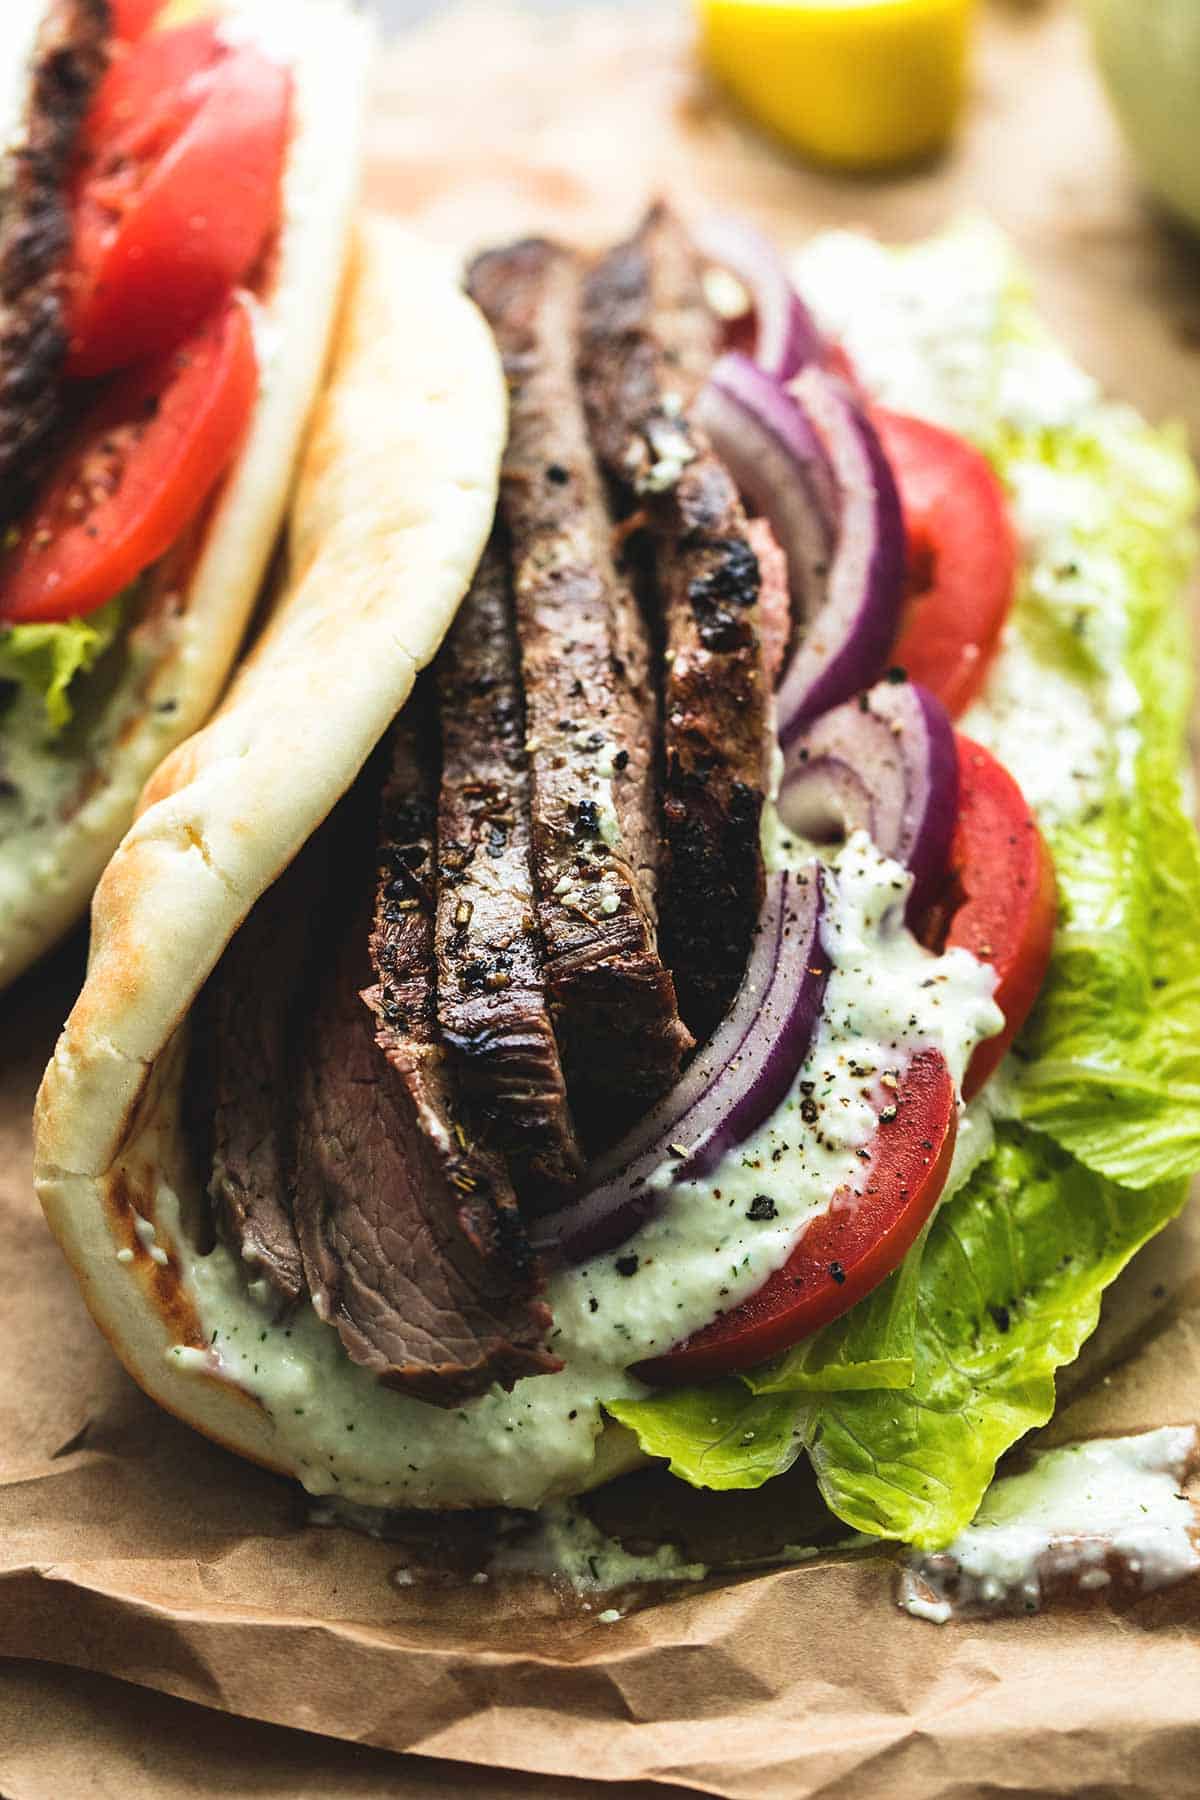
x,y
171,1622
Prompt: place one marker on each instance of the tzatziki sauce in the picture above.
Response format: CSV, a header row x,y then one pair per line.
x,y
708,1248
1082,1516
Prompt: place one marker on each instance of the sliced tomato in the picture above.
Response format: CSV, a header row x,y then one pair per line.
x,y
962,557
138,468
133,17
1001,900
141,96
177,196
849,1249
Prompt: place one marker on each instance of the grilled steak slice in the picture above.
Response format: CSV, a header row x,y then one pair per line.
x,y
590,707
648,342
69,58
412,1243
243,1036
492,1006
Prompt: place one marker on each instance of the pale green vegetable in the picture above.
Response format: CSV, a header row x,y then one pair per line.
x,y
1010,1288
46,658
1110,1066
719,1436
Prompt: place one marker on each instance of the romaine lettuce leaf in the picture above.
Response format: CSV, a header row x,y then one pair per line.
x,y
46,658
1006,1291
1010,1288
1110,1066
720,1436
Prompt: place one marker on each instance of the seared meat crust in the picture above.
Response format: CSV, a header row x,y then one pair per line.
x,y
412,1243
491,997
590,706
648,343
70,57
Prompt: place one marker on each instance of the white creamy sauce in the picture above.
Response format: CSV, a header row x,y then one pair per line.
x,y
1046,729
886,998
919,331
146,1233
565,1545
1082,1516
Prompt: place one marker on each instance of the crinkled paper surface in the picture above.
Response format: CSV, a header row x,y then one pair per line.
x,y
147,1578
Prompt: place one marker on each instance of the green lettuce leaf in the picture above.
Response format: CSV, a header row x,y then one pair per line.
x,y
1010,1288
1006,1290
1110,1066
720,1436
46,658
1111,1063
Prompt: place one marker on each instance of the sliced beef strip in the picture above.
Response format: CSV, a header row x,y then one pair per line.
x,y
590,707
412,1243
70,56
245,1030
243,1034
492,1005
648,341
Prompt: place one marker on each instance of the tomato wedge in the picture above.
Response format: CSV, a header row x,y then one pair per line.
x,y
962,557
178,193
143,91
131,18
137,469
849,1249
1001,900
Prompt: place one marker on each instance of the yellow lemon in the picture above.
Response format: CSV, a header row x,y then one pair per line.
x,y
859,84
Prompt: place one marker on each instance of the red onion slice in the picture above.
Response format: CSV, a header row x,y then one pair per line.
x,y
786,337
885,763
845,645
737,1080
780,466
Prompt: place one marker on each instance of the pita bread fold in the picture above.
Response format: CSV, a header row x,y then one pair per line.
x,y
395,502
177,654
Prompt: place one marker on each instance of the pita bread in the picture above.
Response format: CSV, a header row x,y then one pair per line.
x,y
394,506
178,656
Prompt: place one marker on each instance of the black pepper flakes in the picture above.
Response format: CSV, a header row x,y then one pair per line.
x,y
762,1208
837,1273
626,1265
